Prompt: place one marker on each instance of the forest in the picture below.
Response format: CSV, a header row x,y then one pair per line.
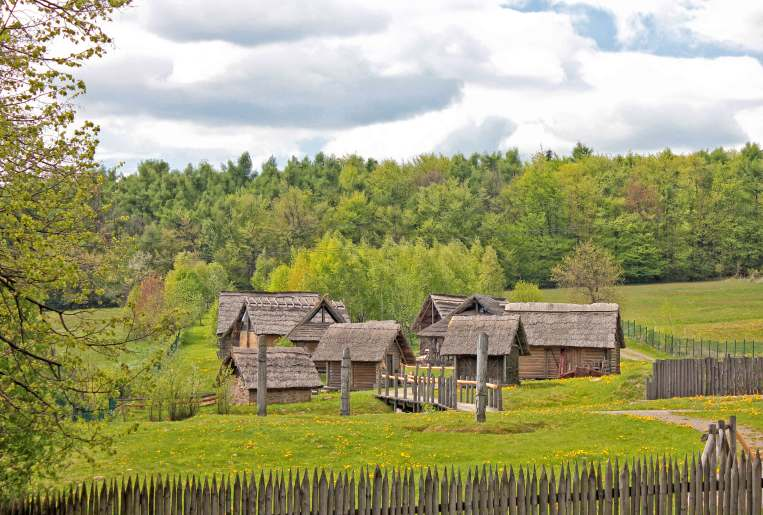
x,y
664,217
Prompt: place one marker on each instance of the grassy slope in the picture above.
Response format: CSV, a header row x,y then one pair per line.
x,y
728,309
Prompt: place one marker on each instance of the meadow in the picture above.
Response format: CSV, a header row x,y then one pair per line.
x,y
544,422
717,310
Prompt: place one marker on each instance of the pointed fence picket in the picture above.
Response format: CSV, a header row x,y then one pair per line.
x,y
729,485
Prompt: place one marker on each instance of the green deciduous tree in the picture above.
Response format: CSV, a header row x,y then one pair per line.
x,y
591,269
50,215
192,286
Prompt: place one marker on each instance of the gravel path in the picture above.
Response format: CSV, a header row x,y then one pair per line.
x,y
635,355
753,438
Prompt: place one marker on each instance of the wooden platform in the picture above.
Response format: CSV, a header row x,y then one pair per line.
x,y
408,403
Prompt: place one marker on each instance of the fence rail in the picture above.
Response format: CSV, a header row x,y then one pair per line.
x,y
414,392
708,376
690,347
730,486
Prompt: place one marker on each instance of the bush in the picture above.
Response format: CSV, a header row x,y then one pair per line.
x,y
223,391
175,393
525,291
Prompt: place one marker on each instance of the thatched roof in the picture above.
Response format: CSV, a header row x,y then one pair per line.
x,y
504,332
368,341
269,313
313,325
474,304
570,325
436,307
288,367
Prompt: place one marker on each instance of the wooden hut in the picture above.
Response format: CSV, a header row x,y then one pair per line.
x,y
246,318
431,324
308,332
565,338
506,343
377,346
291,375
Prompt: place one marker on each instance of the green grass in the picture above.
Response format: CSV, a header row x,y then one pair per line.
x,y
545,422
198,348
212,443
134,354
718,310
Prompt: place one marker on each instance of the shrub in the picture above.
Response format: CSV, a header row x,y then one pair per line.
x,y
525,291
223,391
176,393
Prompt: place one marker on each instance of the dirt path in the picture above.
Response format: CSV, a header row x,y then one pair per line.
x,y
753,438
635,355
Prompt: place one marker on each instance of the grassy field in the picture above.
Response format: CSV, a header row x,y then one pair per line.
x,y
133,354
718,310
545,422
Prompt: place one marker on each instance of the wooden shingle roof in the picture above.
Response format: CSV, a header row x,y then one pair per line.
x,y
312,326
504,333
474,304
288,367
269,313
368,341
436,306
570,325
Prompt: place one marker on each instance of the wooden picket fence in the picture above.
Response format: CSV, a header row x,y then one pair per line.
x,y
731,486
708,376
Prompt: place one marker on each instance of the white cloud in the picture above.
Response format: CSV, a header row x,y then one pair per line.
x,y
734,24
187,81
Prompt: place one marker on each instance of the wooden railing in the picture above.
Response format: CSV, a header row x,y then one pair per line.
x,y
414,392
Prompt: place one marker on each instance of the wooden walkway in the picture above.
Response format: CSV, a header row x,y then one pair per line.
x,y
408,403
418,392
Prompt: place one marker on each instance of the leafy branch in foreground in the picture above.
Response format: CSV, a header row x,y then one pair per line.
x,y
50,247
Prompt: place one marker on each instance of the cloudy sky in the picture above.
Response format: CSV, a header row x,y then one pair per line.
x,y
189,80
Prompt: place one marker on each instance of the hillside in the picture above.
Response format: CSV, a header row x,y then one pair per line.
x,y
719,310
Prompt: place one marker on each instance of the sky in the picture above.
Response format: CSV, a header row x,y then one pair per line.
x,y
193,80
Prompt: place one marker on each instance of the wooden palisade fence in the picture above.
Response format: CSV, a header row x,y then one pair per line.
x,y
645,486
708,376
690,347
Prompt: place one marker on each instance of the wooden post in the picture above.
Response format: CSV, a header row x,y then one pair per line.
x,y
481,377
346,363
262,376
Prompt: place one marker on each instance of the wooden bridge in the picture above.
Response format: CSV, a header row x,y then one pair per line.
x,y
415,392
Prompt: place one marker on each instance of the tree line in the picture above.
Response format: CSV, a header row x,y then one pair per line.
x,y
662,217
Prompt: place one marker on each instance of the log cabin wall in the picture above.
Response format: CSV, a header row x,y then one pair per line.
x,y
545,362
498,368
363,374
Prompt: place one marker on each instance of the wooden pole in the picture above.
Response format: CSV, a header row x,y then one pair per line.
x,y
262,376
345,410
481,377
